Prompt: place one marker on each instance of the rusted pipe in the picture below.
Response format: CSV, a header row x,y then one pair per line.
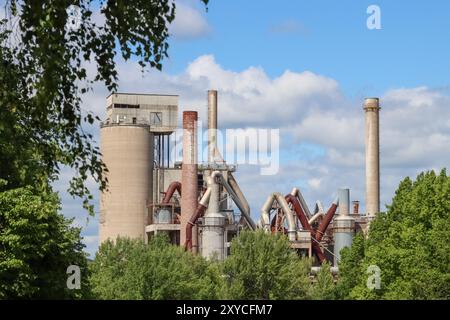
x,y
174,186
297,193
199,212
306,226
326,221
299,211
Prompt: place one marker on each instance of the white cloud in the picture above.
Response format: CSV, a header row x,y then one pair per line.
x,y
189,23
308,108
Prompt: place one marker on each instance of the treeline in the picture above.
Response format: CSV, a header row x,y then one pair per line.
x,y
405,255
261,266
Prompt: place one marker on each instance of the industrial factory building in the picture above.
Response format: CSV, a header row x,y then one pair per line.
x,y
149,193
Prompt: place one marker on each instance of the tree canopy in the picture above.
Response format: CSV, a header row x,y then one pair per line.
x,y
37,245
130,269
410,244
263,266
43,76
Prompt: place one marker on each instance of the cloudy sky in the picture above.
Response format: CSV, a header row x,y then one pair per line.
x,y
304,67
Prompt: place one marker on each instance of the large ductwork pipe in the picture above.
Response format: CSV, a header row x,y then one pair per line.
x,y
315,217
174,186
265,213
299,211
327,219
199,212
235,186
297,193
189,172
306,226
242,206
372,137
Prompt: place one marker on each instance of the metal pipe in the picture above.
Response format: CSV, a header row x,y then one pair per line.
x,y
326,221
232,192
372,139
189,172
297,193
299,211
174,186
315,217
240,195
306,226
278,197
199,212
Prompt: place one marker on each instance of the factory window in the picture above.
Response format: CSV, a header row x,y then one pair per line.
x,y
134,120
126,106
156,118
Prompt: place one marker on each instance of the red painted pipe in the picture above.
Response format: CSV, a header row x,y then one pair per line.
x,y
199,212
174,186
299,211
306,226
326,221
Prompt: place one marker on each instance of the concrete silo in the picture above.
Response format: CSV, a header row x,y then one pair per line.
x,y
127,147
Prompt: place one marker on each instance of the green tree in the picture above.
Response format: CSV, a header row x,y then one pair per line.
x,y
130,269
350,267
324,287
37,245
43,76
410,244
263,266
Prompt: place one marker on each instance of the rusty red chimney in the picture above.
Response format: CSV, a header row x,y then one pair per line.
x,y
189,169
355,207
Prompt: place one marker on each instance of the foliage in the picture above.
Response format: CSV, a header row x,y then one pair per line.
x,y
130,269
350,266
36,246
263,266
324,287
43,75
410,244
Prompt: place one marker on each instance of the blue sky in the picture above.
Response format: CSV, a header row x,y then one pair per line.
x,y
411,49
304,67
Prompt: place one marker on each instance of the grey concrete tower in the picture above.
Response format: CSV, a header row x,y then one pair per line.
x,y
127,147
372,135
343,225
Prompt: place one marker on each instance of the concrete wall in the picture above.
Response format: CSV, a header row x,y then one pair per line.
x,y
128,154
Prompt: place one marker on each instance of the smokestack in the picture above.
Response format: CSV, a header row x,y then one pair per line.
x,y
343,225
355,206
372,108
189,178
344,202
212,125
